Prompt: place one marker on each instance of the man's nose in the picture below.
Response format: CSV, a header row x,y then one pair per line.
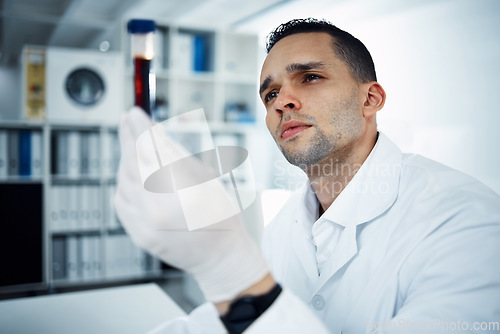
x,y
287,100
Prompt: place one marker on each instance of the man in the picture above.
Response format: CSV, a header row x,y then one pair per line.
x,y
378,241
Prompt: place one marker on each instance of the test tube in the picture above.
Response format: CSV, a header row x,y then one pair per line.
x,y
142,51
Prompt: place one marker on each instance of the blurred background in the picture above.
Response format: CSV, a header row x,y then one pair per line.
x,y
438,60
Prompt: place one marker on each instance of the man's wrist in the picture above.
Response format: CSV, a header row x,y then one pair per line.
x,y
249,305
263,286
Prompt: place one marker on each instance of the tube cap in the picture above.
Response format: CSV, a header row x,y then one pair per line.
x,y
138,26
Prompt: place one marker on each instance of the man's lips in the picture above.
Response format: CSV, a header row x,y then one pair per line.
x,y
291,128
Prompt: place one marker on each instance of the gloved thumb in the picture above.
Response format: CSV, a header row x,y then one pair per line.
x,y
132,124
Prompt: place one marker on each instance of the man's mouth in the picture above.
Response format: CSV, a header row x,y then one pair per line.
x,y
292,128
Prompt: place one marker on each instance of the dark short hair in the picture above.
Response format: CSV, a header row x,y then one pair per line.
x,y
348,48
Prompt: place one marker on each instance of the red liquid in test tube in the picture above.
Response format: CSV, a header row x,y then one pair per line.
x,y
142,50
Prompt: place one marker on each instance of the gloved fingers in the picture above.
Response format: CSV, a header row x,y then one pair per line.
x,y
127,191
127,142
127,132
133,218
138,121
128,171
132,125
128,182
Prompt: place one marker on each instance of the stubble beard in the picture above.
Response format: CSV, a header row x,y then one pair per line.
x,y
318,149
322,147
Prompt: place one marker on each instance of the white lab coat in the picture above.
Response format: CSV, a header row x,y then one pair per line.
x,y
409,245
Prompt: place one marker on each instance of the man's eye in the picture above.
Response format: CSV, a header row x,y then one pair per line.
x,y
311,77
271,95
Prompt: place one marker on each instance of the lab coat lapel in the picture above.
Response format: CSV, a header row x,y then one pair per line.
x,y
371,192
345,250
304,251
301,234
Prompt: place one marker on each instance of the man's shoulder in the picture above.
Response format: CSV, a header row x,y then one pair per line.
x,y
431,181
417,168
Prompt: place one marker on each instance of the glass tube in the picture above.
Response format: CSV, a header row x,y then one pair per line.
x,y
142,50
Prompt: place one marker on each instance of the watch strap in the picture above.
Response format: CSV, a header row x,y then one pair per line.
x,y
245,310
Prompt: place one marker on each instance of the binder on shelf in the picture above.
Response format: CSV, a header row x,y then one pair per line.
x,y
135,259
63,205
95,257
123,258
85,259
200,60
13,153
186,54
84,154
108,214
3,154
106,155
139,260
36,154
110,258
116,152
54,223
93,154
110,154
161,49
110,221
96,207
150,265
85,208
60,153
72,258
59,258
24,153
73,202
73,154
34,89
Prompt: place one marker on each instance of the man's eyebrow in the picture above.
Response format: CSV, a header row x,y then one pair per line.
x,y
265,84
290,69
304,66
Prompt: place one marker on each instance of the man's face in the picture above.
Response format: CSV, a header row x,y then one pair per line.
x,y
313,103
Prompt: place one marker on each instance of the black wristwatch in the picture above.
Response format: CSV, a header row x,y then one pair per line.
x,y
245,310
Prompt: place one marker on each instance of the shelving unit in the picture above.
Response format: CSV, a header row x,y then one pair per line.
x,y
22,243
81,242
79,239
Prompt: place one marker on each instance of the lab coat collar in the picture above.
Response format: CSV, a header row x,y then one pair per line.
x,y
372,190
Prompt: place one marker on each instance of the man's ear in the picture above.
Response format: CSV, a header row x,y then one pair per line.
x,y
374,98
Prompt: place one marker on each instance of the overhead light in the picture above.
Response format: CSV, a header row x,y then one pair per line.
x,y
104,46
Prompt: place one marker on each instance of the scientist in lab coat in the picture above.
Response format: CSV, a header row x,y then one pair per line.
x,y
378,241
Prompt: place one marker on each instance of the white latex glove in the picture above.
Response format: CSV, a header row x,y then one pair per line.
x,y
222,257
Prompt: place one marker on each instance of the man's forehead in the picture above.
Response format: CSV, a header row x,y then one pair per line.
x,y
301,48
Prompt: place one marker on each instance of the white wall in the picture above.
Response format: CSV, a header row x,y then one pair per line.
x,y
440,66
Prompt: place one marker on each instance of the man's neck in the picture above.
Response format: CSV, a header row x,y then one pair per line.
x,y
330,177
327,187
